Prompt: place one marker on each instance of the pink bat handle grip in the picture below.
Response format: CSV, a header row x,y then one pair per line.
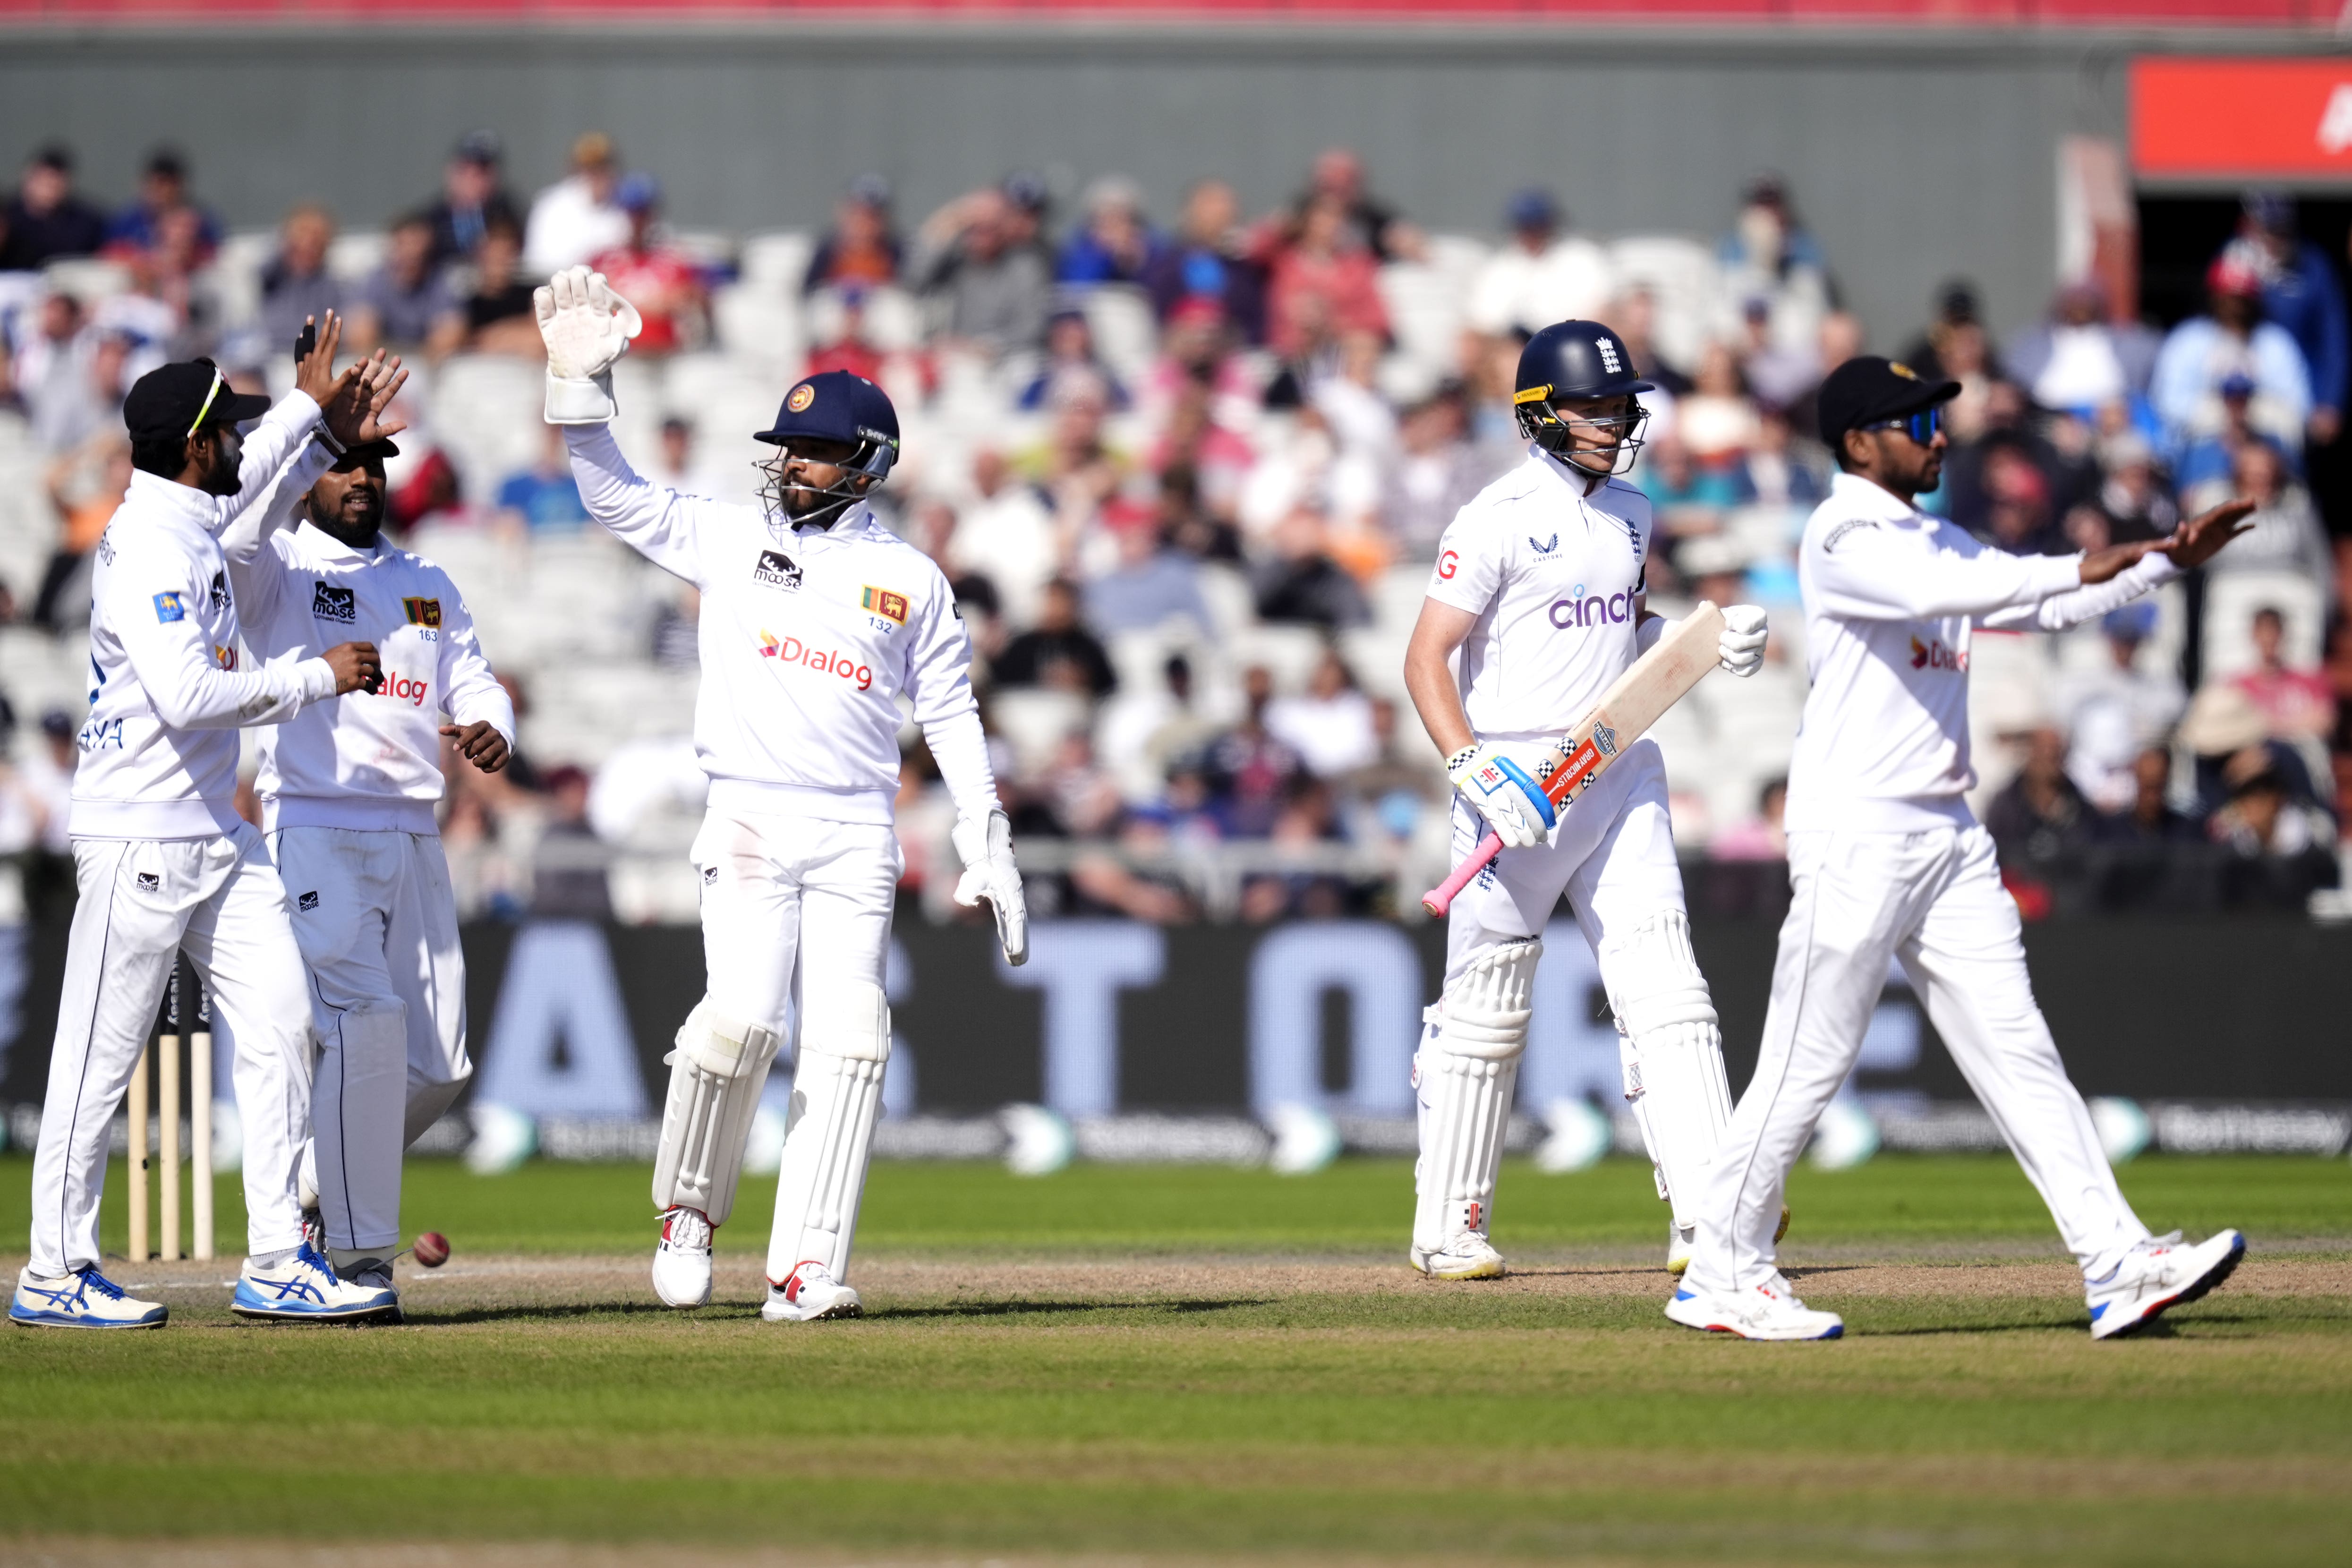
x,y
1440,899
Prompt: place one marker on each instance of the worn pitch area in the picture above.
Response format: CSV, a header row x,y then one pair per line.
x,y
1034,1384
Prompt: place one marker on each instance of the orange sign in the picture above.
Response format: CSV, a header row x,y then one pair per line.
x,y
2258,118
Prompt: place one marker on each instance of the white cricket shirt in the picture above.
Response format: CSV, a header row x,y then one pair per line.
x,y
368,762
158,751
1892,595
1555,577
807,638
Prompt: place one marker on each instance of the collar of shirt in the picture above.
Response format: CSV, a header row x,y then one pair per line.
x,y
318,542
170,498
855,521
1858,497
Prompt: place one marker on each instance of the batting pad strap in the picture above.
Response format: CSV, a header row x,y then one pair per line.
x,y
723,1045
847,1019
1657,984
1487,1006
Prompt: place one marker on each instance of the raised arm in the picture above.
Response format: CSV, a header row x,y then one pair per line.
x,y
1868,570
658,522
2192,544
151,604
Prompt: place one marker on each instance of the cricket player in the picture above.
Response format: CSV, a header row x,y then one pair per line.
x,y
348,792
815,621
1536,606
1887,862
162,858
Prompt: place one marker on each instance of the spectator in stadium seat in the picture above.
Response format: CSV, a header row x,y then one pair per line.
x,y
2133,500
570,880
654,276
2077,361
1774,371
473,199
2300,292
2287,535
1635,315
2115,713
85,503
1299,584
2231,337
2266,815
295,284
1113,885
1151,584
1008,533
861,250
1761,837
1775,471
1247,769
2148,818
400,302
1058,653
1117,244
1956,330
1768,254
1329,724
1210,261
1433,473
968,255
2295,704
45,219
1072,368
1371,224
2041,816
2214,455
578,218
162,192
1324,282
545,496
1541,275
496,316
1308,816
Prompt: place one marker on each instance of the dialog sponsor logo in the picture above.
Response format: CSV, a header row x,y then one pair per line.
x,y
824,660
403,688
1936,655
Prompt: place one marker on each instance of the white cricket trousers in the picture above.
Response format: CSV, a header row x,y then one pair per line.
x,y
377,924
141,902
1933,900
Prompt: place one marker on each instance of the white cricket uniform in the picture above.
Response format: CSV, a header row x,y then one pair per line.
x,y
164,863
808,639
1555,578
1886,861
348,796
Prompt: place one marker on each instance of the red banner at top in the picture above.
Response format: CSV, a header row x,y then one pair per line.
x,y
2257,119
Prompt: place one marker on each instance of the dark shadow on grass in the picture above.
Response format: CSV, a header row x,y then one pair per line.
x,y
2076,1326
553,1310
1014,1308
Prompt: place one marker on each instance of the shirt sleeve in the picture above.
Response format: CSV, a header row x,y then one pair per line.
x,y
658,522
938,685
1471,560
151,608
2078,604
1867,570
470,687
256,570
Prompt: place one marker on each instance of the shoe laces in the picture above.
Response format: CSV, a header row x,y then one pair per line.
x,y
687,1229
91,1279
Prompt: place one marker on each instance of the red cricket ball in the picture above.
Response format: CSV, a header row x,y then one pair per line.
x,y
432,1249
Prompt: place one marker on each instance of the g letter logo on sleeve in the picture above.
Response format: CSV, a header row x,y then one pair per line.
x,y
1448,562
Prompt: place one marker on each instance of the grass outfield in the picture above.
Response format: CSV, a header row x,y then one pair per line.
x,y
1202,1361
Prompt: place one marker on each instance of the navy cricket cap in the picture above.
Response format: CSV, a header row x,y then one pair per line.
x,y
172,402
839,405
1866,390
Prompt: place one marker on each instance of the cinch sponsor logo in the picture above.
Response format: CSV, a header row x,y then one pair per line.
x,y
1936,655
409,691
1577,610
824,661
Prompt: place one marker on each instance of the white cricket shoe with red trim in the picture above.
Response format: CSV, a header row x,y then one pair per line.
x,y
808,1293
682,1261
2157,1275
1769,1311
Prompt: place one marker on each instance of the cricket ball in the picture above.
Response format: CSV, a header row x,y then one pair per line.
x,y
432,1249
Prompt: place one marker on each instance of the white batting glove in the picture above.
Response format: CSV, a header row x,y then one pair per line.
x,y
586,328
985,848
1741,650
1506,795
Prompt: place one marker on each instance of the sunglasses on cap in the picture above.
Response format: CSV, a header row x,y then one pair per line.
x,y
204,412
1920,427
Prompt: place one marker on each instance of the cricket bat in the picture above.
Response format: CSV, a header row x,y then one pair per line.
x,y
1626,710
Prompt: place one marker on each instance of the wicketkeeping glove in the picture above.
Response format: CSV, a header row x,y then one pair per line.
x,y
1504,793
1741,650
986,849
586,328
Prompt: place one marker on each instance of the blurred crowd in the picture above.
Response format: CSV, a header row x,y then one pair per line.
x,y
1187,470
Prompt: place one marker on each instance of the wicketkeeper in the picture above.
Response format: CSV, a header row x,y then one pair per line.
x,y
815,619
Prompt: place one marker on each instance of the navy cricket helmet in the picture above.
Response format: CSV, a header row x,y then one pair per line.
x,y
1579,362
837,407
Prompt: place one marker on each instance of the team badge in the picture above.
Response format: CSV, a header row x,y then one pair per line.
x,y
218,592
803,396
777,570
307,902
1604,739
170,607
1547,547
150,882
881,601
328,602
422,612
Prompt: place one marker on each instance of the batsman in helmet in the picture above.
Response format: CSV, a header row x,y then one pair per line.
x,y
815,620
1536,606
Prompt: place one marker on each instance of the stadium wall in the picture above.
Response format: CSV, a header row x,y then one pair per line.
x,y
1914,155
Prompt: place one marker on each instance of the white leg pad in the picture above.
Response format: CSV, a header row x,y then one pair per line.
x,y
1672,1048
844,1047
716,1074
1468,1073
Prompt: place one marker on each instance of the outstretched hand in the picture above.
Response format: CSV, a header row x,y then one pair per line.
x,y
355,414
314,372
2201,539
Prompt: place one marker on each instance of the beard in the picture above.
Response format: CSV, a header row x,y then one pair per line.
x,y
220,474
